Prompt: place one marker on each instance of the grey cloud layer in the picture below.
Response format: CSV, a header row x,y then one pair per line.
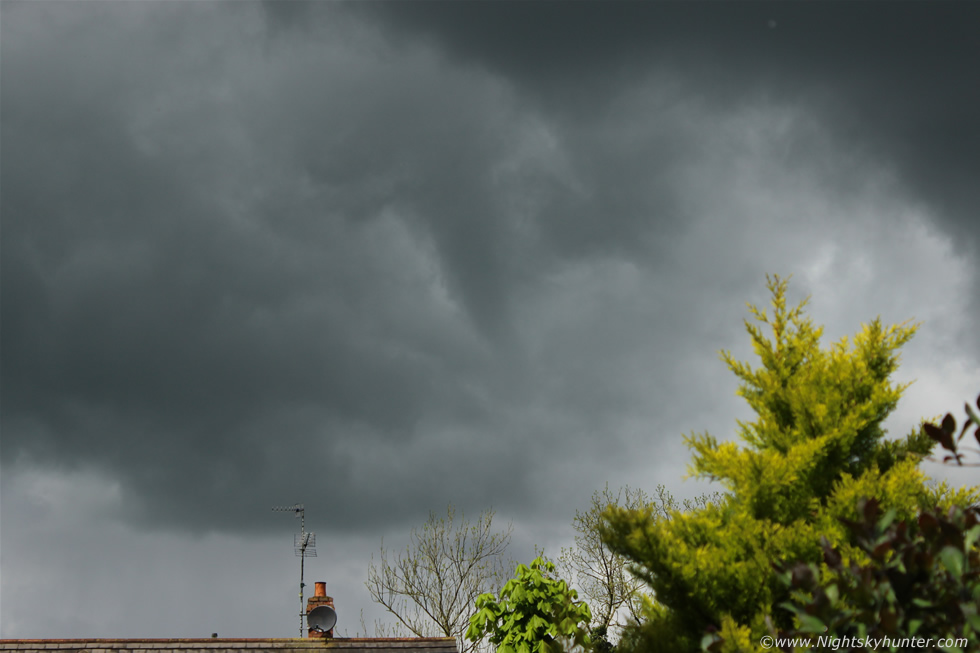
x,y
246,250
898,78
215,272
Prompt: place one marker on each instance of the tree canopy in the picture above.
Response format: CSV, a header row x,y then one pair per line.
x,y
449,562
816,447
535,613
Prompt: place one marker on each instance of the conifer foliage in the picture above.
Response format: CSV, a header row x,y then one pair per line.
x,y
816,446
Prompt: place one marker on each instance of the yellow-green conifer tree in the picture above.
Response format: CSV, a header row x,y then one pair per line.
x,y
816,447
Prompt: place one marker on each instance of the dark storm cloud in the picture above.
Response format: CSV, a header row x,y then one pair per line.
x,y
378,257
233,272
195,339
409,251
899,78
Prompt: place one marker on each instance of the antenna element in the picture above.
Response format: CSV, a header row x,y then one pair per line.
x,y
304,545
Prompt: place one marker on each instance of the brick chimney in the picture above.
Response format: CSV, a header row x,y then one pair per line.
x,y
319,598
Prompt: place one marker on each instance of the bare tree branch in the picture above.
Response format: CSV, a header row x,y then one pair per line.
x,y
601,576
431,589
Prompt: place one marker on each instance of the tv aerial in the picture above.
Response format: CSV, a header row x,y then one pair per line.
x,y
304,545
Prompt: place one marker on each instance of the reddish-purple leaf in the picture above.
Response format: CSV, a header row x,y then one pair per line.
x,y
940,436
880,550
832,558
928,523
870,509
949,424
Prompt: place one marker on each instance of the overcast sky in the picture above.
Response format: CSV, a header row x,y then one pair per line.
x,y
380,257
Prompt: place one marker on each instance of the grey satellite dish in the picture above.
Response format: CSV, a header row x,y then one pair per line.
x,y
322,618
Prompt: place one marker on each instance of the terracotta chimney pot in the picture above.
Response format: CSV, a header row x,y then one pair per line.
x,y
319,598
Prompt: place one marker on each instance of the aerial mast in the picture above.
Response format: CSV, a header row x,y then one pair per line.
x,y
304,545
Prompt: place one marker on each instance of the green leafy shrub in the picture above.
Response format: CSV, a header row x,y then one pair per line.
x,y
535,613
921,580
